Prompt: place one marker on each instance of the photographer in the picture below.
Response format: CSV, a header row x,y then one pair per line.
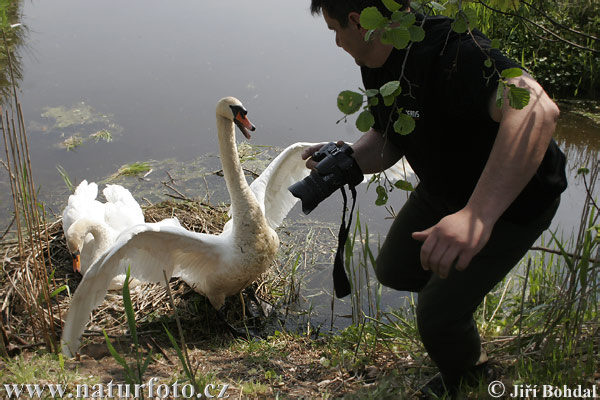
x,y
490,178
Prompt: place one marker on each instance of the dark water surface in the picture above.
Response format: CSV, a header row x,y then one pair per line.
x,y
150,72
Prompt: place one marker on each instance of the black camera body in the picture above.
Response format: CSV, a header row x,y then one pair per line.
x,y
336,167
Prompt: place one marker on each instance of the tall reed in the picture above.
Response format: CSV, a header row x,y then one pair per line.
x,y
30,219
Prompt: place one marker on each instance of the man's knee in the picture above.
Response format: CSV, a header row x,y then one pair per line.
x,y
395,276
386,275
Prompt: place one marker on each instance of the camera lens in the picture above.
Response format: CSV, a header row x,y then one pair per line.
x,y
311,191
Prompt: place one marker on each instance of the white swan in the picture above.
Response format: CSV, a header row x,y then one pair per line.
x,y
216,266
91,227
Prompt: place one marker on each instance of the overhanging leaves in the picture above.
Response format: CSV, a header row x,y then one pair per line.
x,y
404,125
371,18
518,97
399,37
349,102
404,185
365,121
511,73
382,196
391,5
460,24
389,88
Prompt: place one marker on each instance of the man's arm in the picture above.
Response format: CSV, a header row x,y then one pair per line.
x,y
518,150
372,152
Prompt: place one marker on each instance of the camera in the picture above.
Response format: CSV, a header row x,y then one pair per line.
x,y
336,167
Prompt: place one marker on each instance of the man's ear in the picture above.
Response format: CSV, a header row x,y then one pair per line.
x,y
354,20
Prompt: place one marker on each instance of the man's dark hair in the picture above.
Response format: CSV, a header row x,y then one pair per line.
x,y
339,9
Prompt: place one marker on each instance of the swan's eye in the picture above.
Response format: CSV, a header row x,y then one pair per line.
x,y
238,111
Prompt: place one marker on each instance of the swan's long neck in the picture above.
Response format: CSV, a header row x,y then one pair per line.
x,y
242,198
102,238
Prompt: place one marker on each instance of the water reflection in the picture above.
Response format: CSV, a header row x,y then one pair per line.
x,y
579,138
15,35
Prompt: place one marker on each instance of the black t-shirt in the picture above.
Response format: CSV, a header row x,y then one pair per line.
x,y
446,88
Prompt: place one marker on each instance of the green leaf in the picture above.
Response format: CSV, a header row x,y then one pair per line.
x,y
365,121
583,171
437,6
417,34
127,304
371,18
404,185
460,24
511,73
407,19
373,101
518,97
391,5
488,63
417,6
180,355
398,36
389,88
382,196
349,102
495,44
471,15
404,125
118,358
389,100
504,5
372,92
369,35
500,94
58,290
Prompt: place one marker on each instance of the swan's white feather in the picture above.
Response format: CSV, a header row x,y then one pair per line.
x,y
271,187
83,203
121,211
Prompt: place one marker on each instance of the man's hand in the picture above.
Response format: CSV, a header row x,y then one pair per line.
x,y
456,238
309,151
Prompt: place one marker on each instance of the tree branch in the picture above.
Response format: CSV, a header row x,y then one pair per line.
x,y
529,21
558,24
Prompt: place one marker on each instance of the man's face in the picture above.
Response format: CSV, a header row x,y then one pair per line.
x,y
351,38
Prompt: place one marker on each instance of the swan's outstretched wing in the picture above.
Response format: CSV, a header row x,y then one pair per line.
x,y
271,187
147,249
83,203
121,211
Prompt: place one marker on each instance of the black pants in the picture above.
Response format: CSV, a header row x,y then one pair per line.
x,y
445,306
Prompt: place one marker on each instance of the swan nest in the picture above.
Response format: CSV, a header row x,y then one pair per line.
x,y
151,303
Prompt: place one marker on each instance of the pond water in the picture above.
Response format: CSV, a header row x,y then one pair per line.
x,y
151,73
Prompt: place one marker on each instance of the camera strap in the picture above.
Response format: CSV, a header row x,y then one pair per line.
x,y
341,284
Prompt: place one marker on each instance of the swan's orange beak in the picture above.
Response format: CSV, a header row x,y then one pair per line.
x,y
242,122
76,261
